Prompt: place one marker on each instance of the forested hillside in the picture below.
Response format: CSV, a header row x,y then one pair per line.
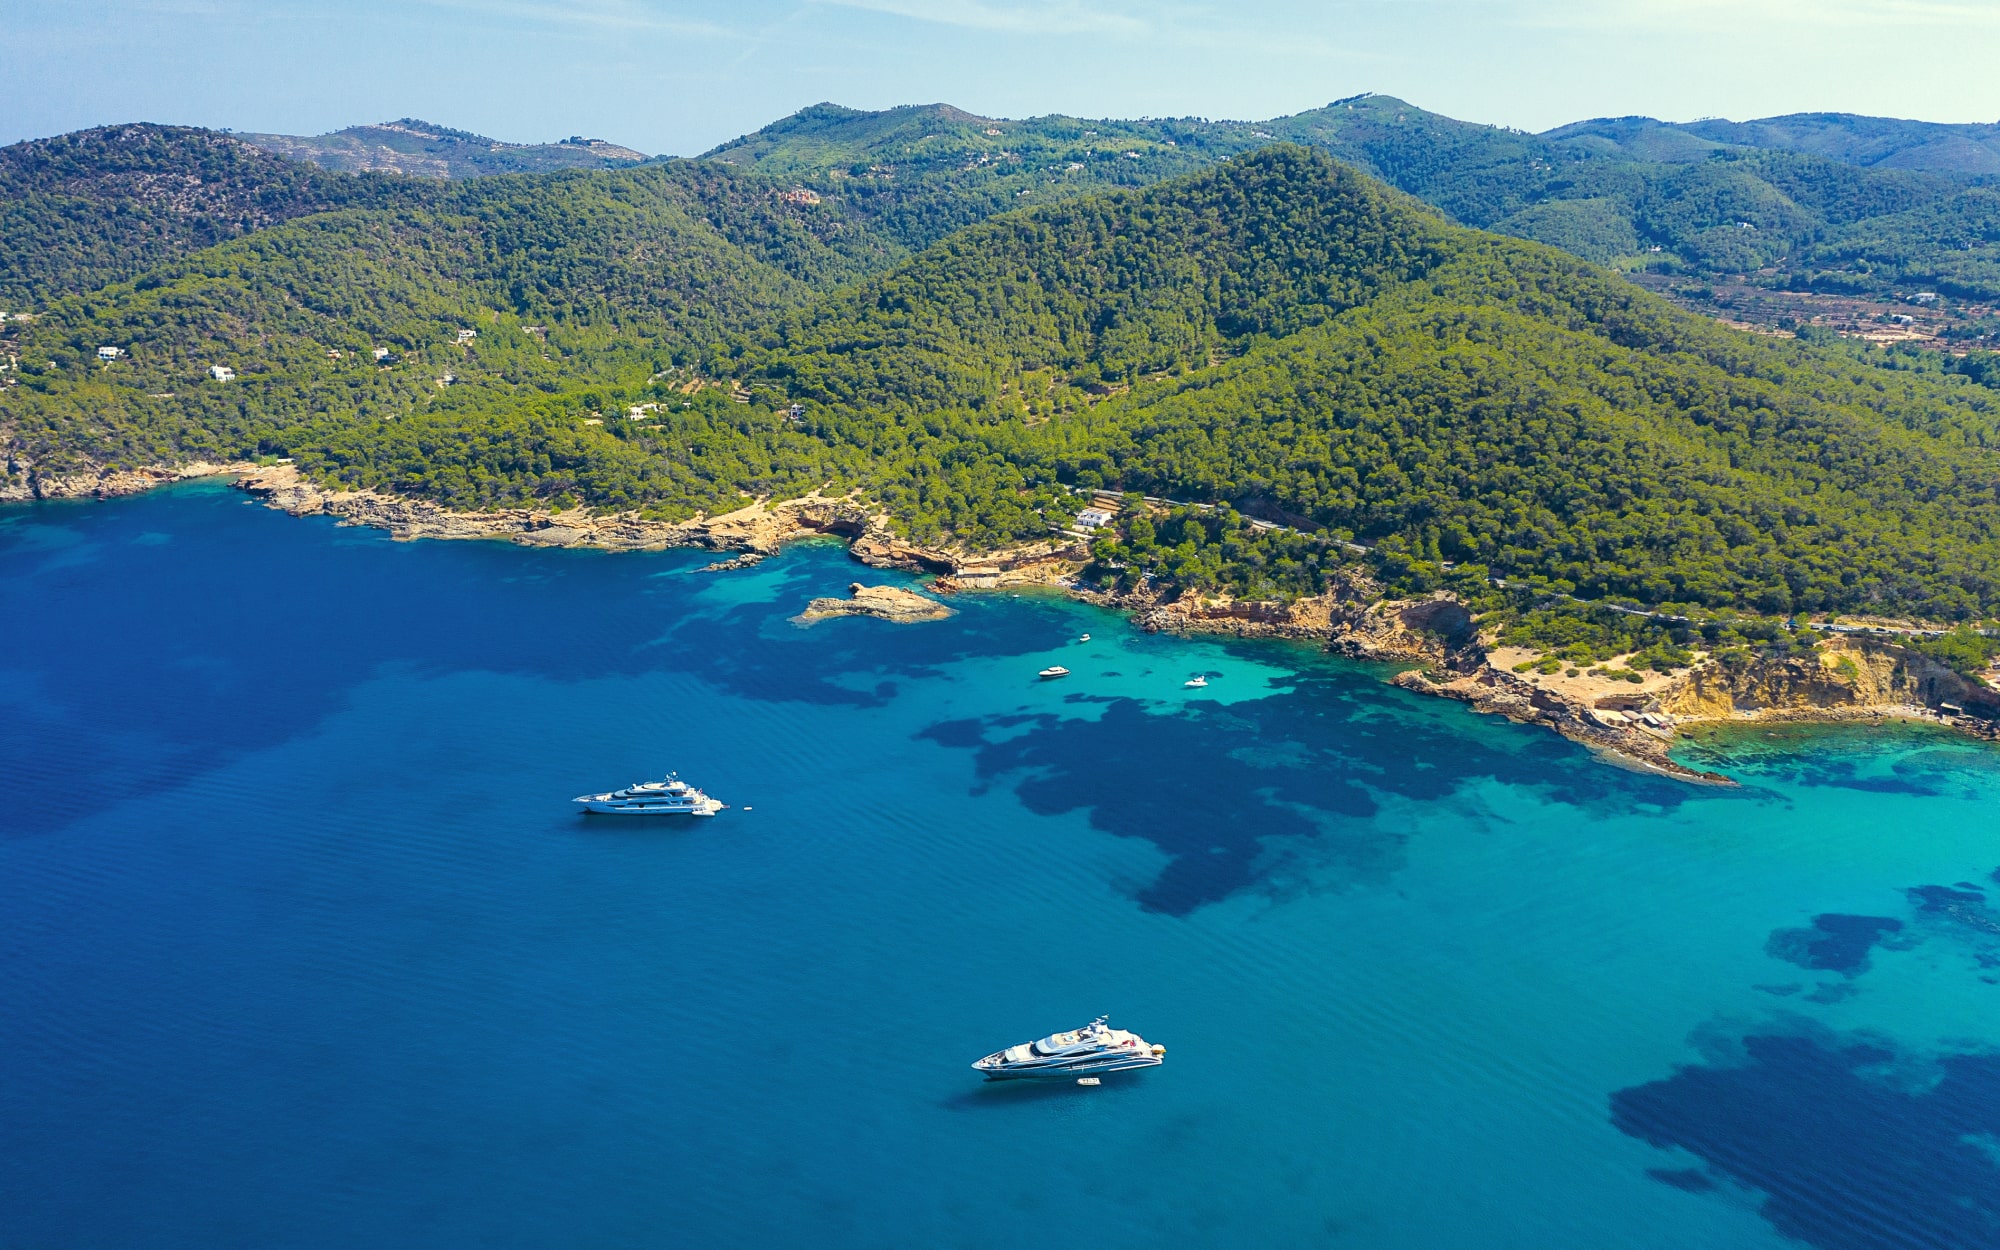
x,y
1386,378
565,283
1278,335
87,209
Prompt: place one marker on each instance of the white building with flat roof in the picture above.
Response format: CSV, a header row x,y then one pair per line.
x,y
222,373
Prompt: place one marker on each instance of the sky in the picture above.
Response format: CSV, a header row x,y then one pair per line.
x,y
679,76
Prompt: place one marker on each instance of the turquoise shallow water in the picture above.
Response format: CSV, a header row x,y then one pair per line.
x,y
303,945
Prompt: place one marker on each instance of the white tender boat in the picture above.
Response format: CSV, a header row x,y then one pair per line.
x,y
1095,1048
1197,682
1052,672
672,797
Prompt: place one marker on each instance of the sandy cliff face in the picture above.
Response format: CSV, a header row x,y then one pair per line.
x,y
1845,675
1436,630
1343,618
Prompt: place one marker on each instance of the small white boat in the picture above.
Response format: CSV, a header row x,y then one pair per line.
x,y
1052,672
672,797
1197,682
1089,1080
1085,638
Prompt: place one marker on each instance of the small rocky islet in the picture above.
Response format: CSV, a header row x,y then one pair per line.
x,y
887,603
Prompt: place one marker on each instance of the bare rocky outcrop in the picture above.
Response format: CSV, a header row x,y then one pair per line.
x,y
1045,563
1612,734
756,529
23,482
1845,678
1845,675
888,603
1437,629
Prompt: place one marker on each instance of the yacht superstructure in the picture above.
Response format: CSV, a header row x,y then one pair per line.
x,y
672,797
1095,1048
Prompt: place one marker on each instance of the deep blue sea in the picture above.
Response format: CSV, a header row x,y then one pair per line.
x,y
302,944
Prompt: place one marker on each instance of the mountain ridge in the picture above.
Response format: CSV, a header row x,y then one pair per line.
x,y
424,149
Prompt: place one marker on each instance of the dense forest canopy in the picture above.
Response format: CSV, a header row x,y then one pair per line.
x,y
968,320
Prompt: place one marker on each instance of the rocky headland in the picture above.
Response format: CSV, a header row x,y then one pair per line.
x,y
888,603
1846,678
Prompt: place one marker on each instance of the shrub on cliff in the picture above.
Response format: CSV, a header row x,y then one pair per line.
x,y
1964,650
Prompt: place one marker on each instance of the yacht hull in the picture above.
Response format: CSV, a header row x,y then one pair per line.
x,y
1069,1072
613,809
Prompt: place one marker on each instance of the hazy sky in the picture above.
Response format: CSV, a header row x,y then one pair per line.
x,y
682,75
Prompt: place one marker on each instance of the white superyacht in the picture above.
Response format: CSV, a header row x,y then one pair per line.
x,y
1084,1052
672,797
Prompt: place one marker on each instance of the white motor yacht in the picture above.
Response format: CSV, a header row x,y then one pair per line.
x,y
1088,1051
1052,672
672,797
1197,682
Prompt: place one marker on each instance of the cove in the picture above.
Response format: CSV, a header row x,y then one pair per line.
x,y
304,945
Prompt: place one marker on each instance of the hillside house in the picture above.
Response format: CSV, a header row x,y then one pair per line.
x,y
466,336
799,195
110,353
222,373
381,353
1092,519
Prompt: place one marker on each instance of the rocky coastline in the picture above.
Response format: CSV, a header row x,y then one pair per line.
x,y
1848,678
24,483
